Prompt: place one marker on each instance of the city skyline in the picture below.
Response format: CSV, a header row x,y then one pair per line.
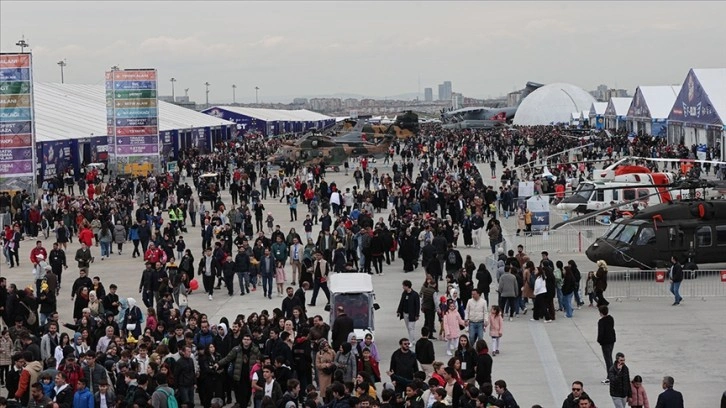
x,y
366,49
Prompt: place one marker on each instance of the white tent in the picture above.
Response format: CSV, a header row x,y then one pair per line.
x,y
552,104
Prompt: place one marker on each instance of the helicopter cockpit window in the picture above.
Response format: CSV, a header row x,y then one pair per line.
x,y
585,191
628,233
721,235
614,230
643,193
703,236
647,235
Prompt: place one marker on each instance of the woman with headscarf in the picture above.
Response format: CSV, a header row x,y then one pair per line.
x,y
346,362
95,304
132,319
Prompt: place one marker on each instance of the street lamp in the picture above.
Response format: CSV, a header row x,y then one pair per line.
x,y
22,44
172,89
257,88
62,65
234,98
206,84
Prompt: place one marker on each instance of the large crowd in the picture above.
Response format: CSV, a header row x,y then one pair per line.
x,y
157,351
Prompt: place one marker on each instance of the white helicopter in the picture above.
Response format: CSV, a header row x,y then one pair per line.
x,y
635,185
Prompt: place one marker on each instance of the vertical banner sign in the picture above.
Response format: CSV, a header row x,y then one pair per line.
x,y
133,121
17,130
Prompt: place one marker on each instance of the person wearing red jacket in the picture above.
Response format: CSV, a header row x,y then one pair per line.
x,y
37,250
86,236
154,254
34,221
90,191
368,365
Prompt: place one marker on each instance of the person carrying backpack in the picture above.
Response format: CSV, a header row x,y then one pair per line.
x,y
163,397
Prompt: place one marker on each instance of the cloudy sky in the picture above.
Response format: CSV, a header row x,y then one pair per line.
x,y
369,48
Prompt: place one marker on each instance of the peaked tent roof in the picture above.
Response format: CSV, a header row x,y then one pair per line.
x,y
76,111
702,99
653,102
618,106
270,115
598,108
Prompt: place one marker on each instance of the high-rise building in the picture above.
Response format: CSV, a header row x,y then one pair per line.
x,y
445,91
428,95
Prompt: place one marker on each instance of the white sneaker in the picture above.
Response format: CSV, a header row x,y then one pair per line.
x,y
210,297
510,319
448,353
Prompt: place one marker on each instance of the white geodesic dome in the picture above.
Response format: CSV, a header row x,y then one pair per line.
x,y
553,103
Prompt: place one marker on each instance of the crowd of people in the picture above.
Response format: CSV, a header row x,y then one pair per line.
x,y
160,352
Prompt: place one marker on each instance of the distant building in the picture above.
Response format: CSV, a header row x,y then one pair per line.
x,y
445,91
428,95
351,103
300,101
513,98
457,100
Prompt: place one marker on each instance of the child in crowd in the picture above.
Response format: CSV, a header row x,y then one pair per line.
x,y
280,278
443,307
452,322
270,221
180,247
590,287
496,324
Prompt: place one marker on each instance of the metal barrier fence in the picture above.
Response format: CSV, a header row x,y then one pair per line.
x,y
637,284
568,240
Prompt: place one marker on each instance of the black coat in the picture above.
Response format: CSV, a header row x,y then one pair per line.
x,y
410,304
671,398
606,330
342,326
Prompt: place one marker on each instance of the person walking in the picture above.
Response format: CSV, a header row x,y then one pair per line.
x,y
606,338
509,290
409,308
675,274
669,398
619,377
601,283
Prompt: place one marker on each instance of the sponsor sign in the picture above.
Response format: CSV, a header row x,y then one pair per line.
x,y
693,105
17,136
132,120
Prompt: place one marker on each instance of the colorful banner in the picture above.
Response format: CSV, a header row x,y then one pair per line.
x,y
17,136
132,120
54,158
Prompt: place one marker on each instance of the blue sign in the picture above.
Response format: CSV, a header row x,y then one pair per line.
x,y
135,85
15,74
15,128
15,114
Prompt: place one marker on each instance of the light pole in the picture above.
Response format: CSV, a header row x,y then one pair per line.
x,y
257,88
206,84
22,44
172,89
234,97
62,65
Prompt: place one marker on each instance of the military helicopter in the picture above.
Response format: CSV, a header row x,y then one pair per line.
x,y
315,149
688,228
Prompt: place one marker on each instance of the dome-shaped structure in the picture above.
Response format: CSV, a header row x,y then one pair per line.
x,y
553,103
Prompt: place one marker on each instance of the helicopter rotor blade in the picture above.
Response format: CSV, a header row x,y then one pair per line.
x,y
624,203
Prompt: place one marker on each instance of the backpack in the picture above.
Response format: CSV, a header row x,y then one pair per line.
x,y
451,258
171,401
31,318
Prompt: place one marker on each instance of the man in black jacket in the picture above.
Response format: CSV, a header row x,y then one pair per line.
x,y
57,260
342,326
578,393
606,338
409,308
185,376
403,365
671,398
675,274
619,377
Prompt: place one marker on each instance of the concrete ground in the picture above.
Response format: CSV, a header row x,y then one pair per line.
x,y
539,361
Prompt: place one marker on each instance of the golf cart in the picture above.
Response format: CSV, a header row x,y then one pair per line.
x,y
353,291
208,188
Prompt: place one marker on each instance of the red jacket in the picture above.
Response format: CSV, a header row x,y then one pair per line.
x,y
86,236
374,367
37,251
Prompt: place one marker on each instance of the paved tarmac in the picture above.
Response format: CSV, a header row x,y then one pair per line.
x,y
539,361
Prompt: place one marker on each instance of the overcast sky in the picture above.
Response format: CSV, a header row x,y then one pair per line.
x,y
369,48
